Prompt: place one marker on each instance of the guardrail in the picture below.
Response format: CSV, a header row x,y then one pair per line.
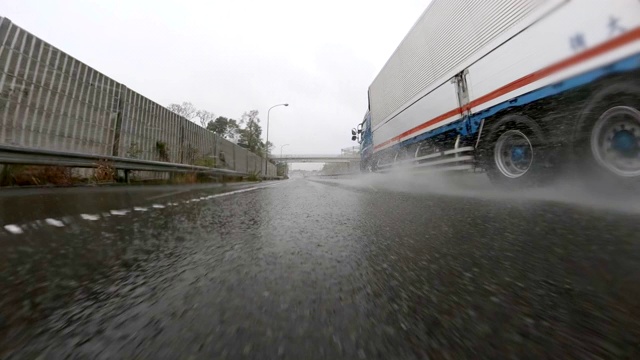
x,y
27,156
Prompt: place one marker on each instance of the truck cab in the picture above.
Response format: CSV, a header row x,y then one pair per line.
x,y
362,134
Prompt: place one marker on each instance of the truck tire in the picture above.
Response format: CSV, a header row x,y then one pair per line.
x,y
515,153
367,166
607,140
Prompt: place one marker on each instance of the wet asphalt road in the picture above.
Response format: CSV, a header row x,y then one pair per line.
x,y
320,268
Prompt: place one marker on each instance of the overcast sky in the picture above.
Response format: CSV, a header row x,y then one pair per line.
x,y
232,56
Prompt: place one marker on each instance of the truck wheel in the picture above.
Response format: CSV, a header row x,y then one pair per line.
x,y
608,145
365,165
615,140
368,168
515,154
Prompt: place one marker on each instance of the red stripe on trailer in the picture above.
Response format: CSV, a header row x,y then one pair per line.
x,y
610,45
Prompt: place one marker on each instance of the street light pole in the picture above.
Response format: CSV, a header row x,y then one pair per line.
x,y
281,150
266,144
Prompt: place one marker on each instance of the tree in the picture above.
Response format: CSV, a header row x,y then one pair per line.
x,y
250,134
260,151
232,129
205,117
186,110
227,128
218,126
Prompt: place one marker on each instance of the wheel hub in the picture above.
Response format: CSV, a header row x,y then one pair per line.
x,y
513,154
518,153
625,143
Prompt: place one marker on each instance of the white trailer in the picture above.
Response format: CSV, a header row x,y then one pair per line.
x,y
511,87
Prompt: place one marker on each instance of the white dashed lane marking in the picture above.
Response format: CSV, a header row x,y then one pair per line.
x,y
90,217
19,229
14,229
54,222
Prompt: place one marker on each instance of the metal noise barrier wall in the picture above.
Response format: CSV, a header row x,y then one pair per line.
x,y
49,100
252,164
242,160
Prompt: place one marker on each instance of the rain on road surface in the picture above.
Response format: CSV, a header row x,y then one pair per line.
x,y
315,268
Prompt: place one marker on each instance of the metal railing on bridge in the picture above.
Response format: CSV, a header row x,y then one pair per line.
x,y
318,158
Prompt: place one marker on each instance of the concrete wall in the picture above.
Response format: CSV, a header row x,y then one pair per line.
x,y
49,100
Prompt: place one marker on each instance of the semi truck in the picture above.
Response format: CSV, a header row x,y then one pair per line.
x,y
513,88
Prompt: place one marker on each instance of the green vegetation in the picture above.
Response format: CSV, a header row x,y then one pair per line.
x,y
282,169
224,127
254,176
163,150
134,151
205,161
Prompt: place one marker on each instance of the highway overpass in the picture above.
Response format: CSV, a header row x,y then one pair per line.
x,y
316,158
